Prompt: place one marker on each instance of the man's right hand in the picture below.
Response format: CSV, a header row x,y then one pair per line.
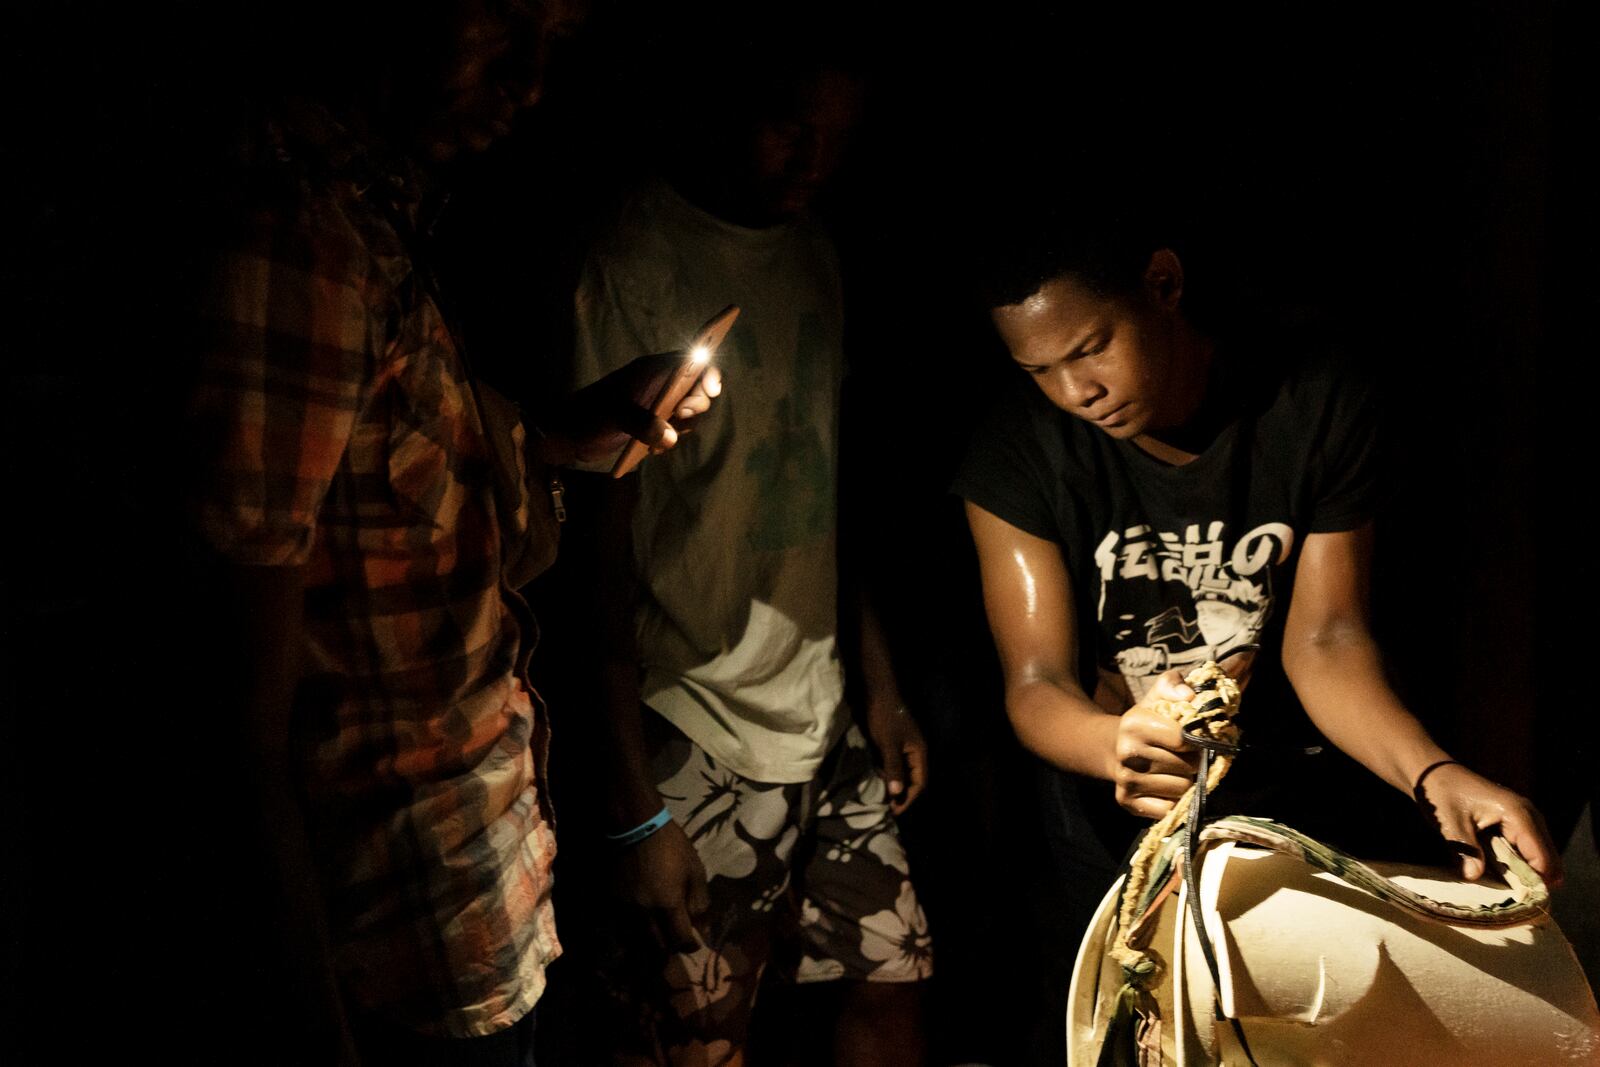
x,y
598,420
663,876
1153,764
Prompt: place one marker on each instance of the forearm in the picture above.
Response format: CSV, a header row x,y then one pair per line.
x,y
631,796
877,671
1060,724
550,447
301,922
1339,678
263,613
1338,675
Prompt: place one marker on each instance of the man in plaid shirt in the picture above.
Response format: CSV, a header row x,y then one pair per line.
x,y
347,480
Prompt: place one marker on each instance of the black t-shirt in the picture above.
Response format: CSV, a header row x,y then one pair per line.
x,y
1173,565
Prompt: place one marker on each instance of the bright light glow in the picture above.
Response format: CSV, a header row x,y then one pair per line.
x,y
1030,587
701,354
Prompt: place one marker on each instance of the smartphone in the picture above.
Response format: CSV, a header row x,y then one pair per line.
x,y
675,388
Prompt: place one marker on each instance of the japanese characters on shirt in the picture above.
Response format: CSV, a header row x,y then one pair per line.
x,y
1176,598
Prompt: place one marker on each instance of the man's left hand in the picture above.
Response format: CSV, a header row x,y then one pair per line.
x,y
1465,804
902,752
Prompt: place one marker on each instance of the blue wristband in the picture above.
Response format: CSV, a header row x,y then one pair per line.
x,y
643,830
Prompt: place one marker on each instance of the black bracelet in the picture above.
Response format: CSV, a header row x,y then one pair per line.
x,y
1416,790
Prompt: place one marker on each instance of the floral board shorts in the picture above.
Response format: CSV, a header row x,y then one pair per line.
x,y
812,875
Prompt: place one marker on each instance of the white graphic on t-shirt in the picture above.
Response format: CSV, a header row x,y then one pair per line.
x,y
1224,600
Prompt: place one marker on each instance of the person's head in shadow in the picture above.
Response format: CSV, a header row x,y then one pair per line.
x,y
434,79
762,114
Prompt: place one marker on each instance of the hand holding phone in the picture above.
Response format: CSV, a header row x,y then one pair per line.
x,y
676,387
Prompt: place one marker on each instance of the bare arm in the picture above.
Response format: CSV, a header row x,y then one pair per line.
x,y
632,797
264,612
1028,595
893,731
661,874
1333,663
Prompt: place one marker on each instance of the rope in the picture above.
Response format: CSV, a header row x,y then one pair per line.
x,y
1208,716
1207,723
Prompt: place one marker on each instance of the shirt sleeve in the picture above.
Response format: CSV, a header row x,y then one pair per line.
x,y
1347,460
287,345
1004,471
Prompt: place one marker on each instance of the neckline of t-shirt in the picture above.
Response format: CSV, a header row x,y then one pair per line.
x,y
695,214
1205,460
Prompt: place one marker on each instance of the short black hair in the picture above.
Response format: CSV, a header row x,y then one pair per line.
x,y
1101,244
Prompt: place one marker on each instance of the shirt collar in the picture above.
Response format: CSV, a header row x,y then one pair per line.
x,y
310,134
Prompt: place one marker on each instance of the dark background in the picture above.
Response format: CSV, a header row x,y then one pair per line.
x,y
1408,178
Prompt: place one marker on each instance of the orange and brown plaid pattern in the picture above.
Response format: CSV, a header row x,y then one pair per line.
x,y
339,433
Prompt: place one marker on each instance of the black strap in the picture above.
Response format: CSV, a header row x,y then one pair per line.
x,y
1197,808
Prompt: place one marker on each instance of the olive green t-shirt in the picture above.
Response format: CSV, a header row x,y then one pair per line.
x,y
735,528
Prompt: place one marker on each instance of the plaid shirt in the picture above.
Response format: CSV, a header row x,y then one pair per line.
x,y
339,432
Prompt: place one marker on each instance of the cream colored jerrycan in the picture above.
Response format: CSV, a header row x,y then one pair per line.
x,y
1317,971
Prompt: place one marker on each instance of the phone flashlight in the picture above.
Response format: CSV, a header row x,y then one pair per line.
x,y
675,388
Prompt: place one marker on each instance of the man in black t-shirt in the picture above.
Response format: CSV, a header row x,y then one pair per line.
x,y
1154,498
